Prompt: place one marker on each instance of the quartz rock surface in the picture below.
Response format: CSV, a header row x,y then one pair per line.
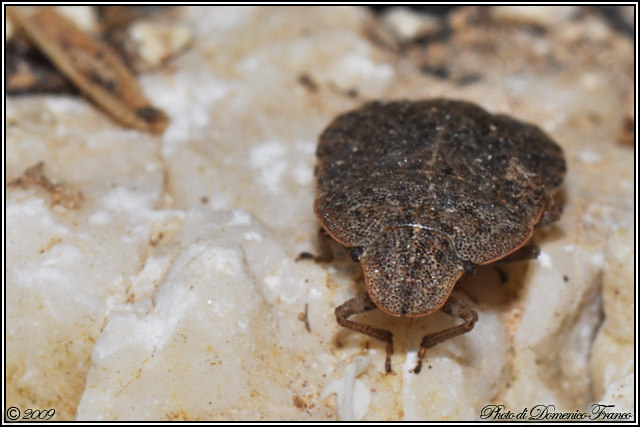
x,y
68,267
171,291
612,352
215,341
619,399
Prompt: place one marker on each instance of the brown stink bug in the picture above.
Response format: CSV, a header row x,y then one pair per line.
x,y
424,191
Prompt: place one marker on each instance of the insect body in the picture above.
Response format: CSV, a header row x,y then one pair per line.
x,y
424,191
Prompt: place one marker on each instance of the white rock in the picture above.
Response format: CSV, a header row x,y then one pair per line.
x,y
213,337
149,44
458,376
590,157
58,289
355,69
559,320
618,403
407,25
612,352
64,272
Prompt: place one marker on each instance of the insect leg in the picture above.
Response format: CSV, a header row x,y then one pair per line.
x,y
360,304
453,307
326,254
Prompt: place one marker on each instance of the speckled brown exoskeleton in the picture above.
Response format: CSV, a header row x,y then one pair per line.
x,y
422,192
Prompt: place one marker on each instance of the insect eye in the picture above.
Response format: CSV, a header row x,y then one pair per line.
x,y
469,268
356,253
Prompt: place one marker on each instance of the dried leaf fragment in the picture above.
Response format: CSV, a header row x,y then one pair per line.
x,y
92,66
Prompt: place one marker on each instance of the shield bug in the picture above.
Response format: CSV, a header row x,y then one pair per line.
x,y
422,192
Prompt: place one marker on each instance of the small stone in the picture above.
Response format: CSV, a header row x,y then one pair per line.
x,y
407,26
150,44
